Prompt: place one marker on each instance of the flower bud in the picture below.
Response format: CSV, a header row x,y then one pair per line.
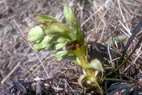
x,y
36,34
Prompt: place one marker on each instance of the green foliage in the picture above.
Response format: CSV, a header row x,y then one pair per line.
x,y
72,21
70,43
52,33
60,54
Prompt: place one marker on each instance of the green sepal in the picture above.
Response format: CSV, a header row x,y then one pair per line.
x,y
96,64
80,80
87,81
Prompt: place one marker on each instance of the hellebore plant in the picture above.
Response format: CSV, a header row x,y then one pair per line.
x,y
69,42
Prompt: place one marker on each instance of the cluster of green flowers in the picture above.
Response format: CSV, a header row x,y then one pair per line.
x,y
69,43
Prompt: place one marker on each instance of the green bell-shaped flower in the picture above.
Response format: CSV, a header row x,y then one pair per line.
x,y
37,47
36,34
43,44
45,41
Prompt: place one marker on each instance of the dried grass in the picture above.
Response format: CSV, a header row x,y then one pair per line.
x,y
100,20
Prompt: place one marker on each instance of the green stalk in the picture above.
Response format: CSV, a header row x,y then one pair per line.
x,y
90,72
113,79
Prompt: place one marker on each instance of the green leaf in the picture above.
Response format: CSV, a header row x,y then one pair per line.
x,y
43,18
71,19
59,58
61,40
60,45
60,54
71,58
36,34
69,15
96,64
57,29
